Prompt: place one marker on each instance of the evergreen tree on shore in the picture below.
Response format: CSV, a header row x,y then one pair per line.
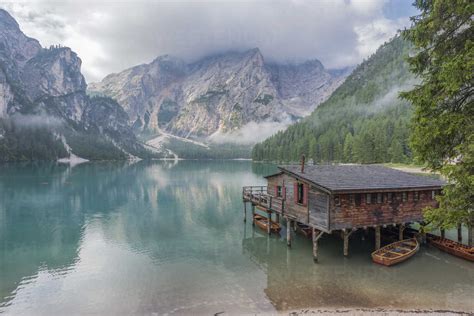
x,y
443,121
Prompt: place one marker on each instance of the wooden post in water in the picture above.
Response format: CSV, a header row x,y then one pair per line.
x,y
253,214
316,235
288,232
401,229
443,233
245,211
346,235
294,226
422,230
377,237
459,233
470,235
315,246
269,223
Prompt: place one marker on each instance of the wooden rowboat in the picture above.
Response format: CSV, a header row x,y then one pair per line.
x,y
396,252
452,247
262,222
305,230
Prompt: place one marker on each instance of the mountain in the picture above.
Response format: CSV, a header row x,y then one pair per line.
x,y
218,94
363,121
45,112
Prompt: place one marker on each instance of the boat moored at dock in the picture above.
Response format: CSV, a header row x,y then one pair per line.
x,y
396,252
262,222
452,247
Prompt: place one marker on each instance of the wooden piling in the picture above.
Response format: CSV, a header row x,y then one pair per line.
x,y
288,232
269,226
377,237
316,235
470,235
422,231
346,234
315,248
459,233
245,211
401,229
253,214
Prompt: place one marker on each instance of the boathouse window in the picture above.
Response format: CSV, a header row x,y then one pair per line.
x,y
368,198
357,199
416,196
351,199
404,196
337,200
390,197
433,194
379,198
278,191
300,193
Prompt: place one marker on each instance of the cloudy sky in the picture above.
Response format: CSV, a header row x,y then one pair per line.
x,y
110,36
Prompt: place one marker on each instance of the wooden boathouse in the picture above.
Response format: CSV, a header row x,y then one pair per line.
x,y
342,199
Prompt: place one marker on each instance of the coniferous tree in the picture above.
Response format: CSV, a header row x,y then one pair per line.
x,y
443,124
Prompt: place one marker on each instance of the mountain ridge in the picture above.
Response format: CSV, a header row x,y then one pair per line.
x,y
218,93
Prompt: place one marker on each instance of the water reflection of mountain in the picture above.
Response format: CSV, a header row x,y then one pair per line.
x,y
46,207
194,201
43,208
432,279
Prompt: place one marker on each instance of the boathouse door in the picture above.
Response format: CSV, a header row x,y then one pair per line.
x,y
318,208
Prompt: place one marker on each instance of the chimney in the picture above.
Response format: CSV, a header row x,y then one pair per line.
x,y
302,163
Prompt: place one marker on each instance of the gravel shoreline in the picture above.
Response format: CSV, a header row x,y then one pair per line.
x,y
373,312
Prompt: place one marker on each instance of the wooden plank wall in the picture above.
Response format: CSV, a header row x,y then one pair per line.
x,y
299,211
318,208
347,215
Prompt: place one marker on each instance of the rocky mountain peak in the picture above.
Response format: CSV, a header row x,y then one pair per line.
x,y
218,93
255,55
314,63
7,21
54,71
14,45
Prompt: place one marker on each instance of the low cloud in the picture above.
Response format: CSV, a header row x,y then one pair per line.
x,y
110,36
389,99
251,133
36,121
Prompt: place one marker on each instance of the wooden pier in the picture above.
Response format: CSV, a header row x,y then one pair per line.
x,y
342,199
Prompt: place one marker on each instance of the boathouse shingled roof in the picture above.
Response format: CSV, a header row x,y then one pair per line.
x,y
347,178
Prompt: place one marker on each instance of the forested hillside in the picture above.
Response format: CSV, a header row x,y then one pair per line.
x,y
363,121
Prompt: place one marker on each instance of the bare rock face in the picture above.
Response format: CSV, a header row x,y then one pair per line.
x,y
219,93
15,45
53,72
302,87
15,50
6,95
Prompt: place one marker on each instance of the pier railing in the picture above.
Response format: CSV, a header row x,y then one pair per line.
x,y
259,196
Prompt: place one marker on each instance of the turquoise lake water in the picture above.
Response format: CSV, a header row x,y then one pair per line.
x,y
168,238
